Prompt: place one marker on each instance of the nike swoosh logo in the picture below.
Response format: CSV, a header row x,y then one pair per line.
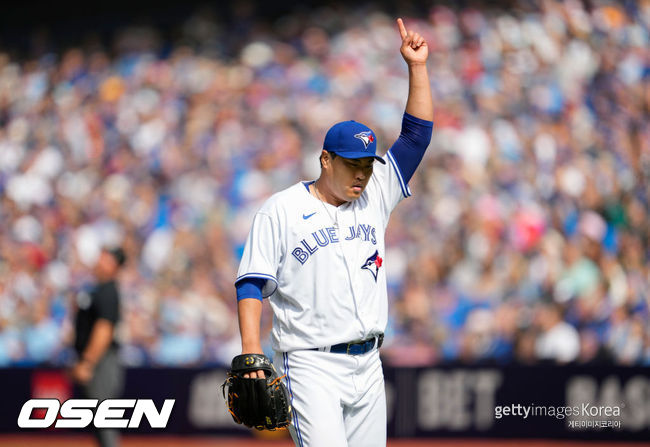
x,y
307,216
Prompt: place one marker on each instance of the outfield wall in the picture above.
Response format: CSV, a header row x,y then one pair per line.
x,y
569,402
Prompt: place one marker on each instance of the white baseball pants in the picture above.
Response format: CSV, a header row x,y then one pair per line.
x,y
338,400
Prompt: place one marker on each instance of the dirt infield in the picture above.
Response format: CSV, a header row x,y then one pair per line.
x,y
178,441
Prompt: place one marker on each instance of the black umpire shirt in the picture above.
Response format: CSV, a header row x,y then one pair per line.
x,y
101,302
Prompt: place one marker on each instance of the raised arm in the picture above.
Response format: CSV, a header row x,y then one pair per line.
x,y
406,153
415,52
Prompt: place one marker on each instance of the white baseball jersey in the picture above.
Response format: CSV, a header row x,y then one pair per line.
x,y
324,264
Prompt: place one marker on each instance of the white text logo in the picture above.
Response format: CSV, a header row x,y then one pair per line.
x,y
78,413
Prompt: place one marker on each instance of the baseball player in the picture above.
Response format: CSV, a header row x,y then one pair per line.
x,y
316,250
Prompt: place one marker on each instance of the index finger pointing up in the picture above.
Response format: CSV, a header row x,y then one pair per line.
x,y
402,28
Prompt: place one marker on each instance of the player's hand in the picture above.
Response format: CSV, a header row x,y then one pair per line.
x,y
82,372
259,374
414,48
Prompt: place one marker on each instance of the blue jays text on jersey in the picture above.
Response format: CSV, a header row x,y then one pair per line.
x,y
326,236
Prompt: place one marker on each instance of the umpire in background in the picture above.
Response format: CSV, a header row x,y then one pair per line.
x,y
98,369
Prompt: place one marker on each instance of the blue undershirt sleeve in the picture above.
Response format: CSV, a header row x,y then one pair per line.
x,y
411,144
250,288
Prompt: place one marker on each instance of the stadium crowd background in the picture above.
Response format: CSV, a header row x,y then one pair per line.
x,y
527,240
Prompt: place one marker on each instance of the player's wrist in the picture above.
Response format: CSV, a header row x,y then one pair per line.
x,y
86,361
417,65
88,364
252,349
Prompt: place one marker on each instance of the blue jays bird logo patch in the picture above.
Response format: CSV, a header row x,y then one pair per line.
x,y
372,264
366,137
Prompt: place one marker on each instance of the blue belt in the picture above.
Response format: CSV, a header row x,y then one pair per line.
x,y
355,347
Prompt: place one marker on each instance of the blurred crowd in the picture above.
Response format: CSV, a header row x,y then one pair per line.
x,y
527,238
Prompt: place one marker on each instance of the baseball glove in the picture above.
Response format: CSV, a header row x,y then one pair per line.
x,y
260,403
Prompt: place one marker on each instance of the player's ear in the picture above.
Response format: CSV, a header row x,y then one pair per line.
x,y
325,158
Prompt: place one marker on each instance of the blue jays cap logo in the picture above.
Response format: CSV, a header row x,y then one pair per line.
x,y
366,137
372,264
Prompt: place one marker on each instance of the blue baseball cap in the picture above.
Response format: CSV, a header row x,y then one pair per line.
x,y
350,139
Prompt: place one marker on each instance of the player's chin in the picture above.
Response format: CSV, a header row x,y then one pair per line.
x,y
354,192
